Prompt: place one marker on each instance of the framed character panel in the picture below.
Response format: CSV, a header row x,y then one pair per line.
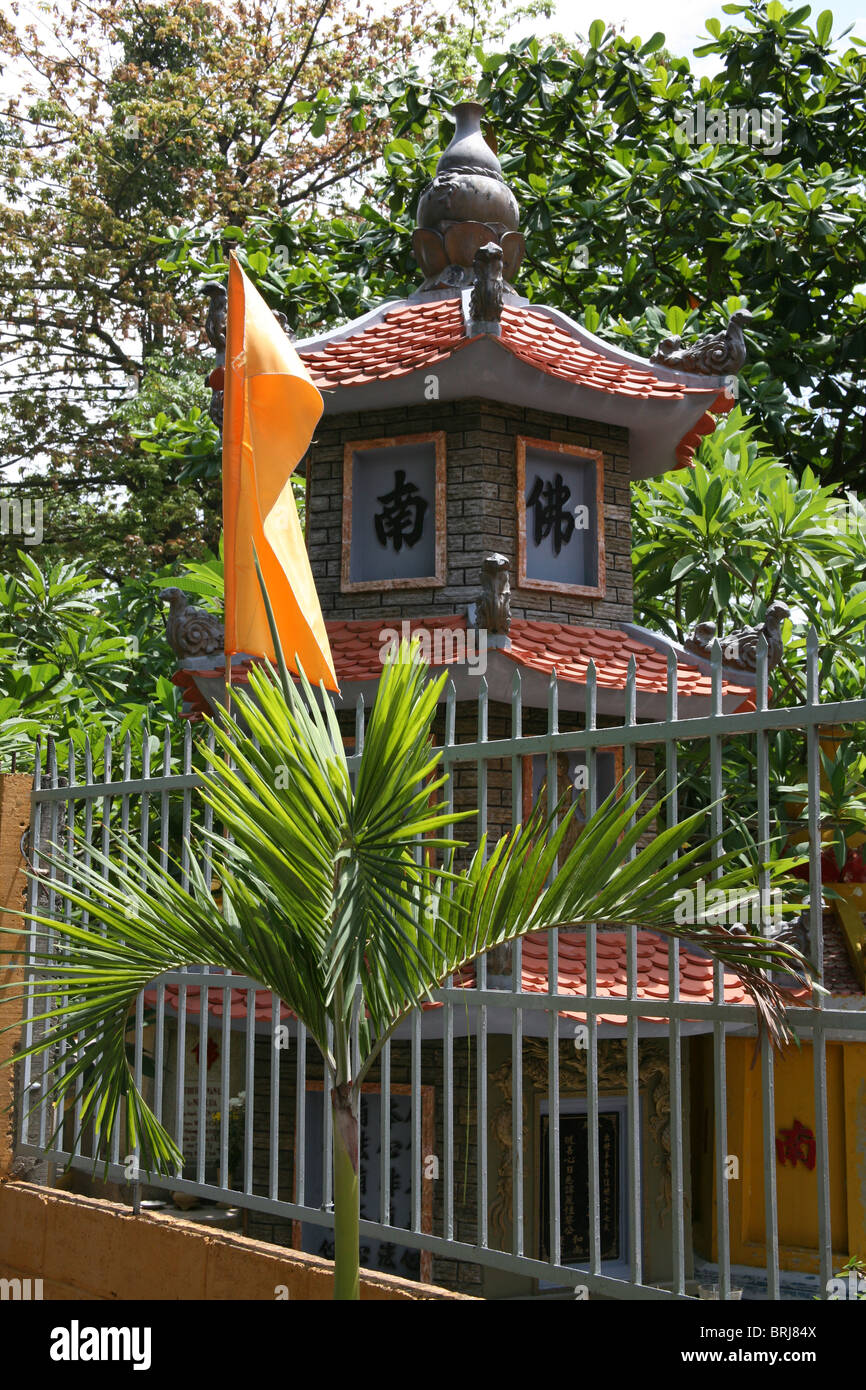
x,y
394,513
560,518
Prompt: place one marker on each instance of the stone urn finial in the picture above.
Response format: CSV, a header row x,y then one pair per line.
x,y
467,205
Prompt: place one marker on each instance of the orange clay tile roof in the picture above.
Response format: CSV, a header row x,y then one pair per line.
x,y
417,336
262,1008
651,960
542,646
537,645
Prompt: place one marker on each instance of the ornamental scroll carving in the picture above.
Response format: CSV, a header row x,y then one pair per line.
x,y
654,1083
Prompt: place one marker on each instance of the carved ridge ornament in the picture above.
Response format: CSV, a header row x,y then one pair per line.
x,y
716,354
653,1082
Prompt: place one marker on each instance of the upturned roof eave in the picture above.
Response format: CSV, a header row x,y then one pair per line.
x,y
484,367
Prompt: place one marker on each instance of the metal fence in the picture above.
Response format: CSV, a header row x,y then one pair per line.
x,y
469,1192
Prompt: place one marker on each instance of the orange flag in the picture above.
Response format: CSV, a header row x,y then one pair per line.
x,y
270,410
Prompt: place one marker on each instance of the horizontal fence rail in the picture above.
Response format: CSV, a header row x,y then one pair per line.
x,y
501,1115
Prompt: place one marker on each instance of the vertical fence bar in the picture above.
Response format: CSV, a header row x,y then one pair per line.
x,y
481,981
481,764
67,917
816,938
720,1089
85,917
635,1183
552,989
206,811
276,1052
448,1022
249,1087
674,1026
47,1109
138,1046
49,1057
125,774
301,1116
385,1134
417,1154
591,1024
227,1179
159,1020
203,1047
29,1087
327,1127
768,1074
517,1178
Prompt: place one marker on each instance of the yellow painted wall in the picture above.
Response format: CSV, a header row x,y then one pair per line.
x,y
797,1186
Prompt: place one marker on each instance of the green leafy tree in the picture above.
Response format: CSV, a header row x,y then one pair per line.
x,y
124,118
635,228
82,659
722,541
334,910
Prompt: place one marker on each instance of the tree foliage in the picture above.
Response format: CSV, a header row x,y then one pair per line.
x,y
128,117
632,229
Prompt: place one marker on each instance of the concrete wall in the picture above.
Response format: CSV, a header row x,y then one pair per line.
x,y
83,1248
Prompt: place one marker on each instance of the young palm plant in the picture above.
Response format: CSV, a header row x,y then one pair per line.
x,y
336,911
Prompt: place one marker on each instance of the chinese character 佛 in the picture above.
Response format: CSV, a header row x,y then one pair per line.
x,y
401,519
548,501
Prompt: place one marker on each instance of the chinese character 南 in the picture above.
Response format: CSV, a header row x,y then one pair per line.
x,y
796,1145
401,519
548,500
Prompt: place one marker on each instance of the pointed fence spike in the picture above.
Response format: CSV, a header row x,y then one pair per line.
x,y
450,711
761,672
359,723
672,684
553,702
812,649
482,709
591,694
631,691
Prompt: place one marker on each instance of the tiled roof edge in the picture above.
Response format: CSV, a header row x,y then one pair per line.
x,y
660,643
349,330
711,385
